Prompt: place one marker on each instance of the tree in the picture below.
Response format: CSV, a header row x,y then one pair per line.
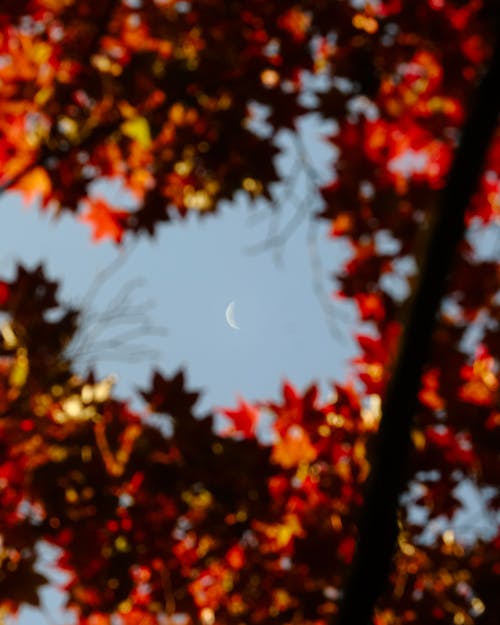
x,y
164,95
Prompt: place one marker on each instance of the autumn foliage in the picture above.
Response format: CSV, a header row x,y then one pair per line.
x,y
198,526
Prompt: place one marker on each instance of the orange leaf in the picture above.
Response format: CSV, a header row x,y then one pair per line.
x,y
138,617
235,557
105,221
35,183
98,619
482,382
429,393
294,448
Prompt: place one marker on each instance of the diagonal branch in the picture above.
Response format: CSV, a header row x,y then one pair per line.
x,y
378,526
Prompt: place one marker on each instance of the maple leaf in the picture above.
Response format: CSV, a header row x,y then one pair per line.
x,y
137,128
106,222
34,184
209,589
97,619
138,617
4,293
347,548
296,22
169,394
482,381
370,306
235,557
429,393
244,419
280,535
293,448
295,409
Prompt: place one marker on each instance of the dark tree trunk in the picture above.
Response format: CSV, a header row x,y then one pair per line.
x,y
378,527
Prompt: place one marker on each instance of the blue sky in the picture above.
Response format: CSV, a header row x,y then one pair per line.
x,y
180,283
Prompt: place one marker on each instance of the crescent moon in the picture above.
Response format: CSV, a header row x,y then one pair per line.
x,y
230,318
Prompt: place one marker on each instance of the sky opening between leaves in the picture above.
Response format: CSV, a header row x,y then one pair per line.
x,y
149,114
162,302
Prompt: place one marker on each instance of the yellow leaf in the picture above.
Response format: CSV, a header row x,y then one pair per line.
x,y
8,335
280,534
138,129
69,128
19,372
35,183
43,95
40,52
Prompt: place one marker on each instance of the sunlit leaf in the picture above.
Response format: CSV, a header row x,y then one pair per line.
x,y
106,222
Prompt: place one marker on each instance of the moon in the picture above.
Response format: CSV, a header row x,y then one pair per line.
x,y
230,318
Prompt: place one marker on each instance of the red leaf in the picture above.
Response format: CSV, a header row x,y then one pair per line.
x,y
4,293
235,557
244,419
346,549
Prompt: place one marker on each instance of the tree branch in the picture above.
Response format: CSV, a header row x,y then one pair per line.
x,y
378,527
